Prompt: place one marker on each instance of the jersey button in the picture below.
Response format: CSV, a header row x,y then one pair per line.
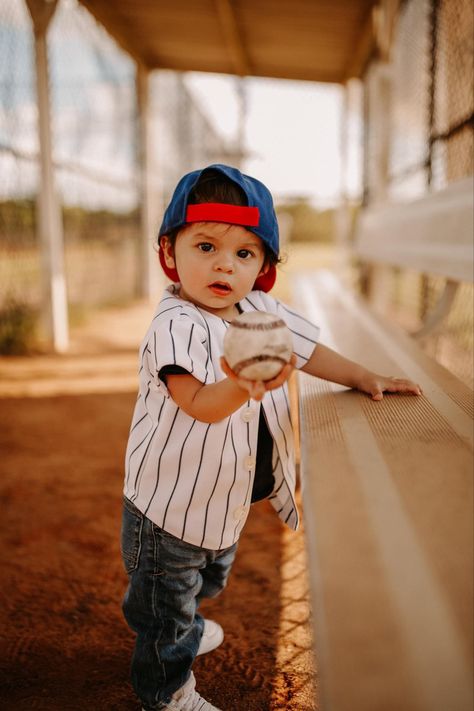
x,y
249,462
248,414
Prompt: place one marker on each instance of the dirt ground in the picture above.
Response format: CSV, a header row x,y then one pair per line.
x,y
63,428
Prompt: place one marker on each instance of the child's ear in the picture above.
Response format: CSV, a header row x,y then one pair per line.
x,y
265,268
168,251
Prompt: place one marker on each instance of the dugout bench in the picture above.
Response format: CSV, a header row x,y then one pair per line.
x,y
387,486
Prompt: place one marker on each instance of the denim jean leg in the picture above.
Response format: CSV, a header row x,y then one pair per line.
x,y
177,591
216,573
148,674
160,606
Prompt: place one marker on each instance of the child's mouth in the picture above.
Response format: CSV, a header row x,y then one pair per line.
x,y
220,288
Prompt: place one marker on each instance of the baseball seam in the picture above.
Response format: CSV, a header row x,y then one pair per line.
x,y
259,326
238,367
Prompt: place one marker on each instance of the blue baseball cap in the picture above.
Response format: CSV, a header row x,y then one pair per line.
x,y
258,215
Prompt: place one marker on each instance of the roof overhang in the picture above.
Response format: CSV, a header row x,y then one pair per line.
x,y
315,40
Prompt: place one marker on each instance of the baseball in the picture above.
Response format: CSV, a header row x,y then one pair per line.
x,y
257,345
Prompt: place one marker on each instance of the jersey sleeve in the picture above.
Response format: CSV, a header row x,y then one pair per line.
x,y
182,343
305,333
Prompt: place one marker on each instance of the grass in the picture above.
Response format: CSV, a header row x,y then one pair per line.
x,y
18,323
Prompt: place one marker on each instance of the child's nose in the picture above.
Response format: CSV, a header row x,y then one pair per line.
x,y
225,263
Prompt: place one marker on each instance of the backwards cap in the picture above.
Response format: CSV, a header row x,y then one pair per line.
x,y
258,215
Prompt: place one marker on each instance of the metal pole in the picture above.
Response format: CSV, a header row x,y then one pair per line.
x,y
381,99
342,217
146,257
242,121
54,307
425,282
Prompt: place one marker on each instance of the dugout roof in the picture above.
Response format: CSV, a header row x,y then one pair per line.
x,y
316,40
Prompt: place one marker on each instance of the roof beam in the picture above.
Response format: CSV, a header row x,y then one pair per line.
x,y
363,47
227,19
107,16
385,18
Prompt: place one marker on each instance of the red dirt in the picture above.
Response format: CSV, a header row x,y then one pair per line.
x,y
63,424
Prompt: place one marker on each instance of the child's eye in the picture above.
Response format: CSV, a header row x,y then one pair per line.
x,y
244,253
205,246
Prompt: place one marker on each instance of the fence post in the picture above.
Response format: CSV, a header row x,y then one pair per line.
x,y
378,106
149,199
50,228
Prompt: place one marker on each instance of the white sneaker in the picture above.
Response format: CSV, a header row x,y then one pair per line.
x,y
188,699
212,637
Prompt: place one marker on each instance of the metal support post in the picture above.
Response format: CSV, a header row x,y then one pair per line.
x,y
147,262
54,307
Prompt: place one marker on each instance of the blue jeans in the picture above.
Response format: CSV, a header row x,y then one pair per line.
x,y
167,580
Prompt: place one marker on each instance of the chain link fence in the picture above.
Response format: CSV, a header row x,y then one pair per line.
x,y
430,145
19,168
94,132
93,109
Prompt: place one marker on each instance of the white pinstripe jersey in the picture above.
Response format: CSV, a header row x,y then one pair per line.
x,y
191,478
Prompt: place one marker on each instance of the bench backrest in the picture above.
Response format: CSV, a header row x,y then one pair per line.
x,y
432,235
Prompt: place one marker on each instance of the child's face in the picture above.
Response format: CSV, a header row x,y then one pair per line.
x,y
217,264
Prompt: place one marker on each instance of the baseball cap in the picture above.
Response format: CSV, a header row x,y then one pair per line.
x,y
258,215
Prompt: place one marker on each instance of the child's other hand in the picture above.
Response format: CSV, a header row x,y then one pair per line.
x,y
257,388
376,385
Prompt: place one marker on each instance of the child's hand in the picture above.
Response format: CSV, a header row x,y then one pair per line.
x,y
375,386
257,388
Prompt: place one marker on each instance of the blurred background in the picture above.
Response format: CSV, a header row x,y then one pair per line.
x,y
315,145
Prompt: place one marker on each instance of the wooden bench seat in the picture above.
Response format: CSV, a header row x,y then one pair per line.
x,y
388,507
